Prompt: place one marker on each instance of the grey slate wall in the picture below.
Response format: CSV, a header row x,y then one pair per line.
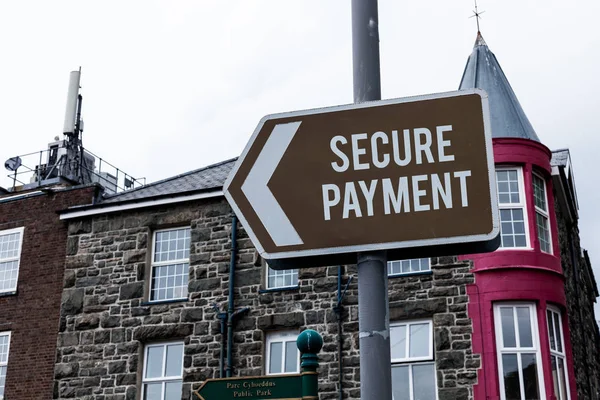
x,y
105,321
580,293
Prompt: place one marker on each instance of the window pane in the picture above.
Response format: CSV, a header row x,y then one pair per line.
x,y
2,380
508,186
508,326
407,266
174,360
419,340
512,228
400,388
152,391
275,358
398,341
278,279
4,349
291,357
424,381
170,282
173,390
555,377
563,380
8,275
524,321
539,193
543,232
530,377
510,367
551,330
558,332
154,362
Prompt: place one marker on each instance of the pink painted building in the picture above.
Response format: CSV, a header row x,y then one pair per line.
x,y
532,300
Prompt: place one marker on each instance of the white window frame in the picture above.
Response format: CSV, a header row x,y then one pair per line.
x,y
5,364
17,258
389,267
500,349
285,271
280,337
154,264
415,361
543,213
522,205
555,353
162,379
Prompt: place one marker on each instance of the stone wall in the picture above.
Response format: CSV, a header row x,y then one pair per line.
x,y
105,320
581,296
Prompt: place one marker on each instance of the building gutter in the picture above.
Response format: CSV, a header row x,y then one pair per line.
x,y
107,208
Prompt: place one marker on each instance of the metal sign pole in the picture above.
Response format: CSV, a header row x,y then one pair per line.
x,y
373,302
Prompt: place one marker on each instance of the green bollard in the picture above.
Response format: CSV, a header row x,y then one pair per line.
x,y
309,343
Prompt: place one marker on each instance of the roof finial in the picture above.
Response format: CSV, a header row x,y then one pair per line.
x,y
477,15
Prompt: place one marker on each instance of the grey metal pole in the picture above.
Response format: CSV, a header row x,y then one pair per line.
x,y
373,302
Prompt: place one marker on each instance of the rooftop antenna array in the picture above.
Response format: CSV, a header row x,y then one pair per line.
x,y
66,161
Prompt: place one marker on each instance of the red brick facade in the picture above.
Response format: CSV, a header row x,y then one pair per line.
x,y
32,313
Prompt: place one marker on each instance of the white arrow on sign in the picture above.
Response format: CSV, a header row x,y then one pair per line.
x,y
261,198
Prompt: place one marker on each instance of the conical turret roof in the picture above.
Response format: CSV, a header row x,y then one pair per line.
x,y
484,72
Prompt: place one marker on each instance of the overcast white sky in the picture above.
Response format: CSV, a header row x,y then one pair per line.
x,y
171,86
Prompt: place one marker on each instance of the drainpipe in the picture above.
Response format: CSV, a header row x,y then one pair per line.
x,y
338,309
222,316
230,312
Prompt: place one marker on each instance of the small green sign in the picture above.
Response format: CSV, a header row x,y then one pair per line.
x,y
272,387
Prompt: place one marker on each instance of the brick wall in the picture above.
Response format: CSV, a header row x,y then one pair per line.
x,y
32,314
105,321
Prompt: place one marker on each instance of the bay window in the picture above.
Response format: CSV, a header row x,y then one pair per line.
x,y
557,355
519,362
512,201
413,367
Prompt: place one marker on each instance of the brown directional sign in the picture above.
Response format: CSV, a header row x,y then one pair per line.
x,y
414,174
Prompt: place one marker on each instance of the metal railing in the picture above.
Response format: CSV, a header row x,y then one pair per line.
x,y
34,171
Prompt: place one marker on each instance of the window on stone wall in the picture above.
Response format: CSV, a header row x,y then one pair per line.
x,y
4,345
517,342
286,278
542,219
558,359
402,267
413,367
282,354
163,371
170,264
10,255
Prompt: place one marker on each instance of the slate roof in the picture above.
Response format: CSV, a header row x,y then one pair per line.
x,y
560,158
484,72
209,177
